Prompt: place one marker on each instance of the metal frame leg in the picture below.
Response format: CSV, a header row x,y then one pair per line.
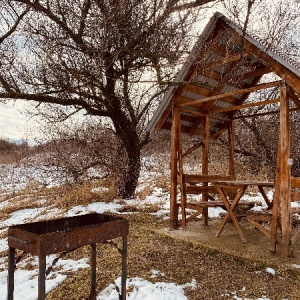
x,y
11,270
124,269
93,275
42,278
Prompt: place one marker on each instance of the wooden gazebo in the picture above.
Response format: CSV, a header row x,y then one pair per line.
x,y
224,68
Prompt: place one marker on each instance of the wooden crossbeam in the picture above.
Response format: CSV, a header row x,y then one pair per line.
x,y
293,96
263,114
247,105
256,73
238,92
192,149
197,113
226,60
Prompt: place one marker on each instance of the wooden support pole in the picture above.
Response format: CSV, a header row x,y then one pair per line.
x,y
174,170
205,152
285,172
276,203
181,177
231,148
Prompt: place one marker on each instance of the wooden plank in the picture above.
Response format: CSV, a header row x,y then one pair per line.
x,y
197,113
257,73
295,182
192,149
285,172
195,189
262,229
197,178
227,59
247,105
181,178
231,166
238,92
205,153
264,114
276,203
294,97
290,78
174,163
197,89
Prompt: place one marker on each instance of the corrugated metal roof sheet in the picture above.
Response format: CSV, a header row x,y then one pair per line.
x,y
229,73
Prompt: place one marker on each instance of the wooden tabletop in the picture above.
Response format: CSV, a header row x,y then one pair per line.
x,y
244,183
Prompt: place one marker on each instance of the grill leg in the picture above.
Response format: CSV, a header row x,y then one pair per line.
x,y
124,268
93,276
41,278
10,277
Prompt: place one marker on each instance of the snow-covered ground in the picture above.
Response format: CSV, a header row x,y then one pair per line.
x,y
13,178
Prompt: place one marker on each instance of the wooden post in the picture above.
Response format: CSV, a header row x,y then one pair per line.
x,y
231,148
285,172
205,151
174,170
276,203
181,175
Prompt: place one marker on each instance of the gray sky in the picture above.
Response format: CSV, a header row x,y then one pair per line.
x,y
14,124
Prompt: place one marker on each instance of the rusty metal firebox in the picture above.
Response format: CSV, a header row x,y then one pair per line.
x,y
66,234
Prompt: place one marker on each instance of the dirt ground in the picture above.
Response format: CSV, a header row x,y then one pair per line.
x,y
254,250
223,267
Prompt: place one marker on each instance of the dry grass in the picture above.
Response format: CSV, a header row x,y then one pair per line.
x,y
216,273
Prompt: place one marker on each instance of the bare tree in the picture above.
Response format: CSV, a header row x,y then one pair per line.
x,y
107,58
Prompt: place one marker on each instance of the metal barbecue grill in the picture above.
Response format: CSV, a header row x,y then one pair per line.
x,y
65,235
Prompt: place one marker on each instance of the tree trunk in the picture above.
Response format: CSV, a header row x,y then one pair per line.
x,y
131,171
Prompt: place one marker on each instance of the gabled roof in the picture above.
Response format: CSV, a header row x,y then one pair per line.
x,y
224,61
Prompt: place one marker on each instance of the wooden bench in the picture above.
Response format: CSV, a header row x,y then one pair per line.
x,y
196,184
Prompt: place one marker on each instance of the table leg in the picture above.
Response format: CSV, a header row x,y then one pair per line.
x,y
124,268
230,213
263,193
93,267
10,277
42,278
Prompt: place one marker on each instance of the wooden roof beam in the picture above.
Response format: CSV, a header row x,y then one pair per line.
x,y
263,114
199,114
293,96
226,60
290,78
257,73
247,105
238,92
205,92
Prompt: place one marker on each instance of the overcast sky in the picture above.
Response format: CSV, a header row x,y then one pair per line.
x,y
13,123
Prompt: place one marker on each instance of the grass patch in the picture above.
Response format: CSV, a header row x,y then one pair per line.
x,y
181,261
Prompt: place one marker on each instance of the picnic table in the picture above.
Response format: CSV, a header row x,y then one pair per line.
x,y
238,187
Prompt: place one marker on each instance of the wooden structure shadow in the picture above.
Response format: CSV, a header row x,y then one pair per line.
x,y
225,67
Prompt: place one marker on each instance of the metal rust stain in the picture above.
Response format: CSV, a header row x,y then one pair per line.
x,y
64,235
47,237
